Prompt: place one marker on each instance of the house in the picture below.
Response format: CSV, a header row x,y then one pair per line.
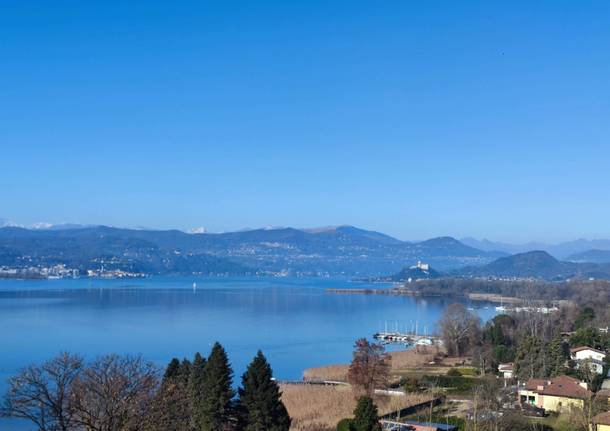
x,y
556,394
601,422
595,358
585,352
506,370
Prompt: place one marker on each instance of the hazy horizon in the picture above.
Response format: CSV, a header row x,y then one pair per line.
x,y
40,225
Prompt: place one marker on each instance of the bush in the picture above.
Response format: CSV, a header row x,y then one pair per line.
x,y
468,371
454,372
454,385
345,425
410,384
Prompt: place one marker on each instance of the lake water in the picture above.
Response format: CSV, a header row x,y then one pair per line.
x,y
294,321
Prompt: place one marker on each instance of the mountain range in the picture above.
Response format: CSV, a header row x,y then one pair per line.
x,y
335,250
569,250
538,265
341,250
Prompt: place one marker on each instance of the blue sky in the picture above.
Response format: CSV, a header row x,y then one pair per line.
x,y
414,118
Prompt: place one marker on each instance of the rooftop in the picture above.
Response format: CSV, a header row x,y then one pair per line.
x,y
602,419
561,386
581,348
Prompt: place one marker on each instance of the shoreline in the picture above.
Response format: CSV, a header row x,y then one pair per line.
x,y
398,291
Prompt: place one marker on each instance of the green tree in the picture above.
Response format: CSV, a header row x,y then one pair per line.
x,y
172,371
530,359
260,404
557,357
185,371
366,417
587,337
170,409
216,405
345,425
585,318
196,385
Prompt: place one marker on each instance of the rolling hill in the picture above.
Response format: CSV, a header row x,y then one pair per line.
x,y
342,250
536,264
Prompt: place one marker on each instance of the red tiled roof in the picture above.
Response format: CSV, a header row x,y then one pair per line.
x,y
561,386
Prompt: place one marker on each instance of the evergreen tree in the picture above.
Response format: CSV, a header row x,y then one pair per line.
x,y
260,406
557,357
172,371
216,405
530,359
185,371
170,410
366,416
585,318
196,388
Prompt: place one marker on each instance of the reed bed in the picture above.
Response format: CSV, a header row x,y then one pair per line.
x,y
320,408
402,360
336,373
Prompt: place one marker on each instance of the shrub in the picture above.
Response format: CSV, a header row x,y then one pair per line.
x,y
454,372
345,425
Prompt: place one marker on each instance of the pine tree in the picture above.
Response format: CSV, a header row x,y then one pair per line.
x,y
260,404
172,371
530,359
196,388
170,410
556,357
366,416
216,405
185,371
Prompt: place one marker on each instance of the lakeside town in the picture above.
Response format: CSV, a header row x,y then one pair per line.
x,y
59,271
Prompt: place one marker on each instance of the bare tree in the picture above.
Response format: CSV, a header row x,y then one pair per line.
x,y
369,368
581,416
114,393
42,393
459,328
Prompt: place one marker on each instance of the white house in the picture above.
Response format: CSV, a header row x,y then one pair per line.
x,y
506,370
594,357
586,352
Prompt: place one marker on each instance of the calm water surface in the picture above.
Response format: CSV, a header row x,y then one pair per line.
x,y
294,322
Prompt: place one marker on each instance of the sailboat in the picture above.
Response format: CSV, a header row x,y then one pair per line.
x,y
501,307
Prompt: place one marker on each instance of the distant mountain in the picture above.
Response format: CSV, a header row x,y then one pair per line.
x,y
592,256
536,264
110,248
341,250
452,246
561,250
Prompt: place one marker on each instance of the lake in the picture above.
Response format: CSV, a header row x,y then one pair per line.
x,y
293,321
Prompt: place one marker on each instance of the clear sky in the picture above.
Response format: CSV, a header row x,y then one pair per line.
x,y
415,118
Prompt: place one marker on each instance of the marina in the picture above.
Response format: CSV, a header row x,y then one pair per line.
x,y
408,338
